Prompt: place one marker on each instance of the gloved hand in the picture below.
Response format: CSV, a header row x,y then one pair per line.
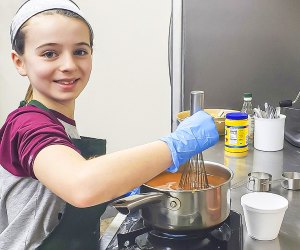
x,y
193,135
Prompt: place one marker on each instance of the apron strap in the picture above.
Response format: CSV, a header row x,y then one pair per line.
x,y
33,103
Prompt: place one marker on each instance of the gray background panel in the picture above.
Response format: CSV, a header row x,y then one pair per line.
x,y
238,46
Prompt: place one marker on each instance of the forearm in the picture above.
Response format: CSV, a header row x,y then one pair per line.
x,y
85,183
122,171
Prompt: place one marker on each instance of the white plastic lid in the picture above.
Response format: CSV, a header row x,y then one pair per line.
x,y
264,202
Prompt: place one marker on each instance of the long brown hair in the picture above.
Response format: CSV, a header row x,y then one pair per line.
x,y
29,94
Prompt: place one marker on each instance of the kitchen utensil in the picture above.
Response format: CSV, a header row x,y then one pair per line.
x,y
259,182
194,173
256,181
180,211
257,112
263,214
270,112
289,103
291,180
269,133
262,181
217,114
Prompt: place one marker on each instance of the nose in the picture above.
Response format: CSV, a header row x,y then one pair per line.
x,y
67,62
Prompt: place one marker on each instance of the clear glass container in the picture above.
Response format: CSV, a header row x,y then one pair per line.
x,y
248,109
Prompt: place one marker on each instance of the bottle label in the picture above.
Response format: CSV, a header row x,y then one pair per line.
x,y
233,136
236,138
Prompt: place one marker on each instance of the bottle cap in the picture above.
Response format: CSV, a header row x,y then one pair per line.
x,y
247,95
237,116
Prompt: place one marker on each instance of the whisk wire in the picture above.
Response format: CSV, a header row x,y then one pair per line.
x,y
203,172
194,174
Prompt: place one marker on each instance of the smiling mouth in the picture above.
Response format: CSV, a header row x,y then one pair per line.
x,y
67,82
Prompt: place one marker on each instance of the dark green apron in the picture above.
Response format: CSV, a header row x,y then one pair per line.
x,y
79,228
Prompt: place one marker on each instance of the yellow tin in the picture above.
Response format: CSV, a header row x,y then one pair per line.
x,y
236,132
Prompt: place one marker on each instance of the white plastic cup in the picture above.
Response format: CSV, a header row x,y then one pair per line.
x,y
269,133
263,214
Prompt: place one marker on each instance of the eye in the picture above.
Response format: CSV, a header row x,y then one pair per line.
x,y
80,52
49,54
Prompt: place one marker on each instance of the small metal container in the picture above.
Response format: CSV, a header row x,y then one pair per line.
x,y
259,182
291,180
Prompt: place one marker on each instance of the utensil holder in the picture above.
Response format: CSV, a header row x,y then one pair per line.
x,y
269,133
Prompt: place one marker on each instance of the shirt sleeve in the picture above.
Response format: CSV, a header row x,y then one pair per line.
x,y
25,136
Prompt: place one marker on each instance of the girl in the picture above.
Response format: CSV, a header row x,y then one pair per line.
x,y
53,189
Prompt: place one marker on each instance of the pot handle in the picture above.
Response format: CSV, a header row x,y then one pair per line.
x,y
137,201
252,179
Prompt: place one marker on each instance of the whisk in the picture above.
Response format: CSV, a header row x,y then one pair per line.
x,y
194,174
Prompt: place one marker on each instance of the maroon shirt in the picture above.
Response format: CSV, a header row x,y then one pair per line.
x,y
25,132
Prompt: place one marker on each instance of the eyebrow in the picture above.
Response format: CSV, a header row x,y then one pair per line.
x,y
55,44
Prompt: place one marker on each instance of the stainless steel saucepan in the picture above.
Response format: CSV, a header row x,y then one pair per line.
x,y
181,211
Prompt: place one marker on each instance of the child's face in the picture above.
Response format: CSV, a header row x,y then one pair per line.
x,y
57,57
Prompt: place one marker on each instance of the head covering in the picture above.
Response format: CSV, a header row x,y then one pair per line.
x,y
32,7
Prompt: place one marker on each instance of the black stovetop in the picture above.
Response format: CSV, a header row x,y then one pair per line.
x,y
133,235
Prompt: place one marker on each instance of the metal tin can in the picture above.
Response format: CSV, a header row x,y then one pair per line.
x,y
236,132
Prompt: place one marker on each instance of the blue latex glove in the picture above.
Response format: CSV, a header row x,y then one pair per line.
x,y
193,135
132,192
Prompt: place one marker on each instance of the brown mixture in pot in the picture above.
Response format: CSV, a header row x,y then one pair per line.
x,y
170,181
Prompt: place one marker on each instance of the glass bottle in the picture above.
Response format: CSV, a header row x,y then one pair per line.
x,y
248,108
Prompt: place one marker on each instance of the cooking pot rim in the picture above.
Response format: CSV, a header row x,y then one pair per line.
x,y
201,190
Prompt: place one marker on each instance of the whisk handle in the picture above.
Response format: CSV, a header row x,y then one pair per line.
x,y
197,101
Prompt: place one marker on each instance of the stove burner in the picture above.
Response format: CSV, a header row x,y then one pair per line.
x,y
211,239
160,240
168,236
227,236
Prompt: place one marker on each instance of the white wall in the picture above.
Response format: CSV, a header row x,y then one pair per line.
x,y
128,99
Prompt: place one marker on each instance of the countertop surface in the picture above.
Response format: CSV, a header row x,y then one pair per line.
x,y
254,160
273,163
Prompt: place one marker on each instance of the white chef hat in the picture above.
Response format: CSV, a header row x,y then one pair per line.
x,y
33,7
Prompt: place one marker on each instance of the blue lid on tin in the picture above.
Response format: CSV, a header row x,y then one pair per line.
x,y
237,116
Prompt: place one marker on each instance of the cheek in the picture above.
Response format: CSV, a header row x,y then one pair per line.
x,y
87,69
39,70
43,73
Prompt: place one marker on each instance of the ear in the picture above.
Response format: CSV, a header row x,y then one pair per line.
x,y
19,63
